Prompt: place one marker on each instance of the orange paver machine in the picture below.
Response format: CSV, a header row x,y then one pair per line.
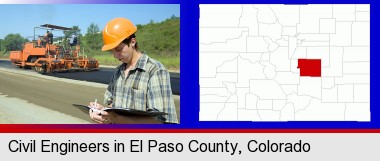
x,y
44,55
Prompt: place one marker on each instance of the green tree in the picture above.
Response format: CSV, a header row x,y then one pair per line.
x,y
13,42
93,38
1,45
174,17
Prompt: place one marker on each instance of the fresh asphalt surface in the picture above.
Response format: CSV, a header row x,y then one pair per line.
x,y
103,75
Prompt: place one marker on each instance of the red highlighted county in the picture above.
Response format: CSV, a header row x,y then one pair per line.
x,y
309,67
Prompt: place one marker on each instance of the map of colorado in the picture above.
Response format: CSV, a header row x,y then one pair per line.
x,y
284,62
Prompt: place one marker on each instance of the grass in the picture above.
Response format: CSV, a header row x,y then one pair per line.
x,y
106,59
4,55
170,61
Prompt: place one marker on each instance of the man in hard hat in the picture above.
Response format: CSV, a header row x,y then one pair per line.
x,y
140,82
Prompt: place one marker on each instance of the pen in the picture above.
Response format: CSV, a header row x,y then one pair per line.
x,y
94,108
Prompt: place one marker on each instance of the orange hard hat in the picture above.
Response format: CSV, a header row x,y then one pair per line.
x,y
116,31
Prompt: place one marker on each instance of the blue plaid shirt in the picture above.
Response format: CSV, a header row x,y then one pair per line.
x,y
147,87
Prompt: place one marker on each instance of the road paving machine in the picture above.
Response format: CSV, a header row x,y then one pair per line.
x,y
49,54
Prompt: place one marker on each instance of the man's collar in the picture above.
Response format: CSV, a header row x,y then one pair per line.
x,y
141,63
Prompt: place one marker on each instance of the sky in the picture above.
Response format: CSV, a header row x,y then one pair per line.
x,y
23,18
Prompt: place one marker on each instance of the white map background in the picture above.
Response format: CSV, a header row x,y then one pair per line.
x,y
248,62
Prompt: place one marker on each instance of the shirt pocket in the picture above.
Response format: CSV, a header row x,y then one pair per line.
x,y
139,99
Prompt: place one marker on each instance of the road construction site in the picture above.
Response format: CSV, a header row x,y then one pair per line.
x,y
28,97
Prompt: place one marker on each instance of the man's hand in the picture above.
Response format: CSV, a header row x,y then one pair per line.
x,y
104,117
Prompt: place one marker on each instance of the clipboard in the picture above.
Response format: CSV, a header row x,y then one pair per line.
x,y
123,111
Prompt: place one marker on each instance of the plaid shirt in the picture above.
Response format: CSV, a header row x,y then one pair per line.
x,y
147,87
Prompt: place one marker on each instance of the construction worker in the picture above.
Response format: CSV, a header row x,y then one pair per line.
x,y
39,42
48,37
73,40
140,82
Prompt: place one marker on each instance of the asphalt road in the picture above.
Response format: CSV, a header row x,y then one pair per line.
x,y
51,94
103,75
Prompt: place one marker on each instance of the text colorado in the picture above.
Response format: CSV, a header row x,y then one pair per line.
x,y
268,146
